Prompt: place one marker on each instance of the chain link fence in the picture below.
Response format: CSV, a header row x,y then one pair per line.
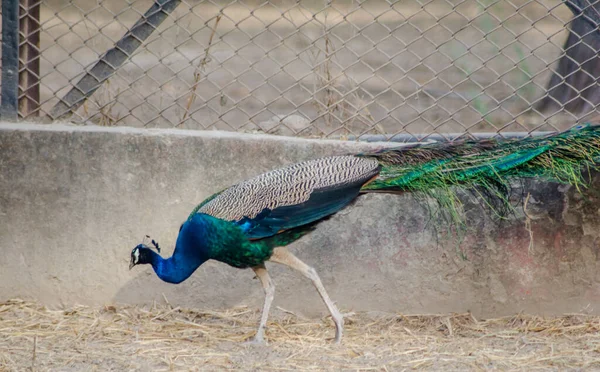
x,y
314,68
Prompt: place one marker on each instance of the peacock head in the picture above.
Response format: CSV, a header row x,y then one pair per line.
x,y
142,254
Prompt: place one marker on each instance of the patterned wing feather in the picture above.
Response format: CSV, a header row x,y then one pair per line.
x,y
322,203
294,195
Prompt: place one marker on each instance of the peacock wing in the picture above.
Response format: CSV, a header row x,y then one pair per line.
x,y
320,204
292,196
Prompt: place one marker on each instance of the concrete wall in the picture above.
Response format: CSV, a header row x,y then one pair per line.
x,y
75,200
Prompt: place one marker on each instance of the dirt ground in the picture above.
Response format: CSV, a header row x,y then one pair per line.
x,y
165,338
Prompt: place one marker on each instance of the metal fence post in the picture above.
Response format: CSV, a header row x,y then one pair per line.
x,y
10,60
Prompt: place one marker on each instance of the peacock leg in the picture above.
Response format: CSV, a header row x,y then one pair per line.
x,y
267,284
282,256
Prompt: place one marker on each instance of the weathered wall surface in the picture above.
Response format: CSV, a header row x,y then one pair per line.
x,y
74,201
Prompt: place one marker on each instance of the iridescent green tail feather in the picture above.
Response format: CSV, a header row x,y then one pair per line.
x,y
488,165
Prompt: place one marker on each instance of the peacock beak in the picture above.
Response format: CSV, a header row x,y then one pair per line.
x,y
131,264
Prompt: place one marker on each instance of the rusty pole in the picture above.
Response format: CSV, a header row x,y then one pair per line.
x,y
29,58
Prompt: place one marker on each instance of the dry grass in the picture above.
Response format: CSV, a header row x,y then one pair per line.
x,y
33,337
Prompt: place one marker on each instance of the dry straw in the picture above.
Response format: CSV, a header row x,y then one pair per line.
x,y
163,338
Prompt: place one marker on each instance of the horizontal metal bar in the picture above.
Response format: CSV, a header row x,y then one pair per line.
x,y
404,137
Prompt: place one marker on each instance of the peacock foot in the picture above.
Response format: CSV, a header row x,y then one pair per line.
x,y
256,341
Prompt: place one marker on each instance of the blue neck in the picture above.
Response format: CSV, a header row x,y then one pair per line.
x,y
191,251
176,268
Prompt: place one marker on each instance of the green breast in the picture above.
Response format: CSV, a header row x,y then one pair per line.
x,y
242,254
227,243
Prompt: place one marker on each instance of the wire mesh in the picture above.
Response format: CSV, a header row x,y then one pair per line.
x,y
334,69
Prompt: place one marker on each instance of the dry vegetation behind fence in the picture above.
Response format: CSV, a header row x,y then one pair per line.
x,y
163,338
315,68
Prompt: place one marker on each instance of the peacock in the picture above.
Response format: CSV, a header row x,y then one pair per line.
x,y
253,221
